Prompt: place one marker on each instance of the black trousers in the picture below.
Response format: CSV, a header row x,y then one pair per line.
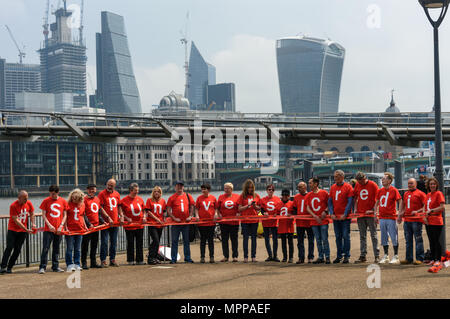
x,y
206,235
48,239
229,232
14,242
434,235
135,238
290,240
154,236
91,239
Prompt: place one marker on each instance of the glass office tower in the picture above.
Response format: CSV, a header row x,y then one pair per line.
x,y
116,84
309,74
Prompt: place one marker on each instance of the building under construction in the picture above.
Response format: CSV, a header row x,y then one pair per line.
x,y
63,59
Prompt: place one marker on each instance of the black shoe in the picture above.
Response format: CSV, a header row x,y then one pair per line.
x,y
190,261
96,266
337,261
85,266
346,261
202,260
269,258
290,261
284,260
362,259
9,271
173,262
328,261
2,271
318,261
300,261
276,259
151,262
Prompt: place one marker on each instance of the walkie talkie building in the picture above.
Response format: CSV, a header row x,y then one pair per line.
x,y
309,74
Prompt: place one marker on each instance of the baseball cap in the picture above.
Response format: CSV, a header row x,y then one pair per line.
x,y
285,192
179,182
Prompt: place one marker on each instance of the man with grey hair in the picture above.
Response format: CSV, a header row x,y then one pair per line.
x,y
365,198
340,205
17,230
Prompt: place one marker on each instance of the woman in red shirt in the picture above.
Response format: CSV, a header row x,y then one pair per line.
x,y
286,226
227,207
133,212
155,208
205,209
270,206
434,223
249,205
75,223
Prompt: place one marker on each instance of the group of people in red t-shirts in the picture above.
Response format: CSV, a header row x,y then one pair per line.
x,y
308,214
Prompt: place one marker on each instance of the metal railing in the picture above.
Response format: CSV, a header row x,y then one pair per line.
x,y
32,248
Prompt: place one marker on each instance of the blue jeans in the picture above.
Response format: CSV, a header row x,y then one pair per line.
x,y
49,238
413,231
108,235
73,249
342,233
321,235
388,228
175,233
267,232
301,245
249,230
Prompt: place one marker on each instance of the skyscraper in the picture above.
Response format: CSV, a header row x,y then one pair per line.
x,y
309,74
116,84
201,74
16,78
222,97
63,61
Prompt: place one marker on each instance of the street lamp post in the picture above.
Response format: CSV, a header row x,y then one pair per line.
x,y
439,161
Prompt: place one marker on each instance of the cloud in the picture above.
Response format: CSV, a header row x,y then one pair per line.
x,y
250,63
154,83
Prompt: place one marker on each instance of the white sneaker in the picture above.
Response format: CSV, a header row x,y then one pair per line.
x,y
78,268
41,271
384,260
70,268
395,260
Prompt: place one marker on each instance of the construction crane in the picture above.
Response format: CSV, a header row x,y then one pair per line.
x,y
184,40
211,105
45,26
21,53
81,22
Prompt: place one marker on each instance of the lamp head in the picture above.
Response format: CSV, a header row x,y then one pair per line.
x,y
434,4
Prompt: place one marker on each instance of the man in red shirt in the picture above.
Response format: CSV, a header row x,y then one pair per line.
x,y
110,202
365,197
340,205
205,208
54,214
303,226
94,213
386,205
412,204
17,230
180,207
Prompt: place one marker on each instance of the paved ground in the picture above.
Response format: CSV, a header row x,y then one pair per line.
x,y
237,280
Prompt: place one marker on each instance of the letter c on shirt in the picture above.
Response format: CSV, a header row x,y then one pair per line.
x,y
313,206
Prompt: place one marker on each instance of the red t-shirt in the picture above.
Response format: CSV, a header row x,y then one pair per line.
x,y
206,208
388,202
180,205
75,217
340,195
22,212
366,197
434,200
228,207
318,203
133,208
157,208
55,211
271,206
92,210
110,203
413,201
249,211
300,203
286,226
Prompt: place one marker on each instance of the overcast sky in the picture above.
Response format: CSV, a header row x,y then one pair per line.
x,y
388,45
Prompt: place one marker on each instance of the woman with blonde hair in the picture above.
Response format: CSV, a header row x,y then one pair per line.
x,y
155,207
227,207
76,222
249,205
